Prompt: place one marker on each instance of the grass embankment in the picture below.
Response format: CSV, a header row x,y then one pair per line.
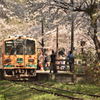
x,y
21,91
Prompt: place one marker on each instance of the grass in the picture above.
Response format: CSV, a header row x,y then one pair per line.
x,y
85,88
21,91
12,91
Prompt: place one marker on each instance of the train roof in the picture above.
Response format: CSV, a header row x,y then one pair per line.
x,y
19,37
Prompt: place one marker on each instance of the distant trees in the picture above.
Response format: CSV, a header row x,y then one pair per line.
x,y
91,8
15,17
52,11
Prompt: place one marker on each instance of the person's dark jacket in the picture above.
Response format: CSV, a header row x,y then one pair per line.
x,y
53,58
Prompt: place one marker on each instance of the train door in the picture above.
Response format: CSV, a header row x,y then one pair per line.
x,y
30,54
19,54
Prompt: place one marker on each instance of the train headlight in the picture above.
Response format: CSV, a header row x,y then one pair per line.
x,y
19,60
30,60
7,60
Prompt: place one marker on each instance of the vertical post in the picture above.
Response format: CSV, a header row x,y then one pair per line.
x,y
72,34
57,39
72,41
72,29
42,30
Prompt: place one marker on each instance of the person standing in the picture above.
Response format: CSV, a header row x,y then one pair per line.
x,y
71,61
41,61
53,62
46,60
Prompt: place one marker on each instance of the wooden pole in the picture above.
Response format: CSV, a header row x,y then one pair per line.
x,y
42,30
72,30
72,41
57,39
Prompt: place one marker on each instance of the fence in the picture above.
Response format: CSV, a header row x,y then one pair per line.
x,y
61,64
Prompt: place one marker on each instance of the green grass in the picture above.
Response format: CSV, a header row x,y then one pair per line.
x,y
21,91
85,88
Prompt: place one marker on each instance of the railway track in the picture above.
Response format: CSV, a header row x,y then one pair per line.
x,y
42,89
37,84
57,94
92,95
52,90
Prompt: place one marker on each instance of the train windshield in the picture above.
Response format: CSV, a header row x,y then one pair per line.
x,y
9,46
29,47
20,47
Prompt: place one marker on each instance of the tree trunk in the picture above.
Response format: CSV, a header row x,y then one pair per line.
x,y
95,39
97,45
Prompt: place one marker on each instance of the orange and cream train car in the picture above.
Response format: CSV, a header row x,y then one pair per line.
x,y
19,56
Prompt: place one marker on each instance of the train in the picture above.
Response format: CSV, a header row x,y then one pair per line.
x,y
19,57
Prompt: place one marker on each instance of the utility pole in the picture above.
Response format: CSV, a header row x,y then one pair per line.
x,y
57,39
72,40
72,29
42,30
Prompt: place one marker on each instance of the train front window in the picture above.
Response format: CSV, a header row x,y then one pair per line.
x,y
20,47
9,46
14,47
30,47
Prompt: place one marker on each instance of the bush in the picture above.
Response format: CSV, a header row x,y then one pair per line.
x,y
91,67
92,73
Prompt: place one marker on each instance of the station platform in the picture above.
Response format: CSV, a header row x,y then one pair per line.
x,y
48,72
60,76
